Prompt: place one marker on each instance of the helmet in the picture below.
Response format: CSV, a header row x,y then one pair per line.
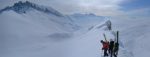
x,y
111,39
102,41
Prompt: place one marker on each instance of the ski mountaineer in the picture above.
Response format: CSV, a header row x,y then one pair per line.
x,y
116,48
105,47
111,47
116,45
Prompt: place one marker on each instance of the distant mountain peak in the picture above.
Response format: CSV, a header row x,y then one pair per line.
x,y
22,7
87,14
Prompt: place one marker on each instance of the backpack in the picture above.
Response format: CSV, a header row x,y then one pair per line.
x,y
105,45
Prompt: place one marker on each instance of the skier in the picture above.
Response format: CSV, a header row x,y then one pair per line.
x,y
116,48
111,47
105,47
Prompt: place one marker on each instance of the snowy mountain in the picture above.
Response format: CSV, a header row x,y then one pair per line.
x,y
23,7
28,30
31,30
87,21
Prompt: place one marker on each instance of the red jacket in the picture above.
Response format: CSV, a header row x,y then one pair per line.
x,y
105,45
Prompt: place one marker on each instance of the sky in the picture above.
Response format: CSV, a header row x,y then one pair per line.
x,y
98,7
136,4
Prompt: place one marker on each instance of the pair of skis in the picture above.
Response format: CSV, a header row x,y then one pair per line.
x,y
117,43
117,36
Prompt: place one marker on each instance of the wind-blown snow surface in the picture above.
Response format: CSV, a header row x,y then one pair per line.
x,y
134,38
134,33
30,34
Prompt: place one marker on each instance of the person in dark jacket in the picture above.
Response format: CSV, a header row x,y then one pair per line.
x,y
105,47
116,48
111,47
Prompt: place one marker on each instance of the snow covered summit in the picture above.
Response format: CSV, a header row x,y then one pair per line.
x,y
31,30
23,7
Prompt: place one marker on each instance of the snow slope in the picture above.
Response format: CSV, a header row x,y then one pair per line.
x,y
32,32
86,20
133,39
134,35
88,44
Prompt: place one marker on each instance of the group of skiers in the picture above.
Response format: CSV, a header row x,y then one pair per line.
x,y
110,47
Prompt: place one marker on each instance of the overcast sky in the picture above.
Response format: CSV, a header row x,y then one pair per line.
x,y
98,7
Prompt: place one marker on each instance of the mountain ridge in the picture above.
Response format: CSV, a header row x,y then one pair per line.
x,y
23,7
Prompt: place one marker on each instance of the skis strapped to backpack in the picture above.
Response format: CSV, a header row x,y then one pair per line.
x,y
105,37
117,36
117,42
